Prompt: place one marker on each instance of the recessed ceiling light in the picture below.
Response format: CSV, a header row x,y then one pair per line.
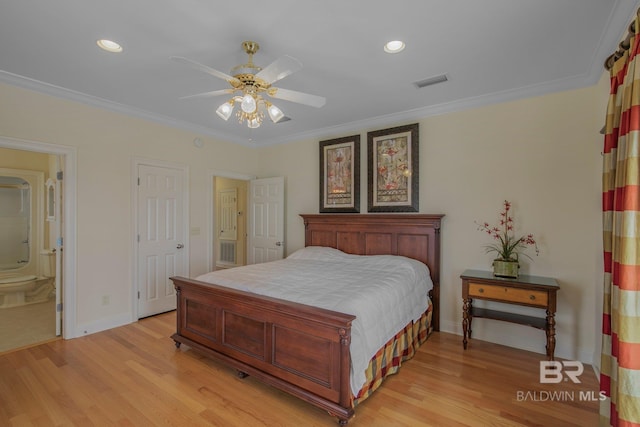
x,y
394,46
109,46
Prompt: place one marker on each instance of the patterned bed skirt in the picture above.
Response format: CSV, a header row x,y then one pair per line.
x,y
388,359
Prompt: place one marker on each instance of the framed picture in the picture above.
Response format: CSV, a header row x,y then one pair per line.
x,y
393,169
340,174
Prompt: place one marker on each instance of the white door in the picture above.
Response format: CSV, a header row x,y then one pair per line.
x,y
161,237
228,214
266,220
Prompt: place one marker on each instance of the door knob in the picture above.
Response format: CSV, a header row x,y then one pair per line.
x,y
180,246
278,243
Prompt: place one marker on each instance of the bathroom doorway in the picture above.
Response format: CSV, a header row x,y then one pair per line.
x,y
31,294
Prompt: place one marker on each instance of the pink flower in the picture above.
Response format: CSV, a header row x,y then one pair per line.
x,y
508,247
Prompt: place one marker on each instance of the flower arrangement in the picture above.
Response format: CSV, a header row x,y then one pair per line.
x,y
507,246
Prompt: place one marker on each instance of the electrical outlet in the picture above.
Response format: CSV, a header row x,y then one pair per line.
x,y
105,300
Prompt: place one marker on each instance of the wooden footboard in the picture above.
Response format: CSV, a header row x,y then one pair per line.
x,y
299,349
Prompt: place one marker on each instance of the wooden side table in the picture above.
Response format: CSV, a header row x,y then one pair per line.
x,y
530,291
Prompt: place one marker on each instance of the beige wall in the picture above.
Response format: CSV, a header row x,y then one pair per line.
x,y
543,155
106,143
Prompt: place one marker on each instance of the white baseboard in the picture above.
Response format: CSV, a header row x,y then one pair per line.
x,y
521,337
102,324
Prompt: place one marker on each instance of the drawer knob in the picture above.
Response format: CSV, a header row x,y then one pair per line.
x,y
480,290
532,297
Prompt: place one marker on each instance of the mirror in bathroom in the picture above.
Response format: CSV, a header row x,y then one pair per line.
x,y
15,222
50,186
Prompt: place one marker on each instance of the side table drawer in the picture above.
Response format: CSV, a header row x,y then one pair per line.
x,y
507,294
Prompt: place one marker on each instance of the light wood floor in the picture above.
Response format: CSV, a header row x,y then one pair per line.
x,y
134,376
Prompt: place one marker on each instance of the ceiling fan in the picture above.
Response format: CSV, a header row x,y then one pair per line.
x,y
251,87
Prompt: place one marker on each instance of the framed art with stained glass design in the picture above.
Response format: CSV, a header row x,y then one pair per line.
x,y
340,175
393,169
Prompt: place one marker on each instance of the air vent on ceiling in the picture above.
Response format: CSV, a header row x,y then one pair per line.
x,y
431,81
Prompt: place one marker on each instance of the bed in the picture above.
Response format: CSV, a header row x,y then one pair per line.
x,y
299,348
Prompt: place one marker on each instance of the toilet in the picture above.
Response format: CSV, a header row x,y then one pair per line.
x,y
19,290
48,263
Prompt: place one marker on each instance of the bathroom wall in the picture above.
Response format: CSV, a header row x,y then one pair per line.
x,y
18,159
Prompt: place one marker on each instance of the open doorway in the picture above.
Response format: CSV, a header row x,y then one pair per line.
x,y
230,221
35,303
230,232
262,218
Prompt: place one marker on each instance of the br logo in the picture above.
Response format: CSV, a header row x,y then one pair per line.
x,y
553,372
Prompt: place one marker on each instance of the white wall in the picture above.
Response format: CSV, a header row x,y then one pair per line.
x,y
106,143
543,155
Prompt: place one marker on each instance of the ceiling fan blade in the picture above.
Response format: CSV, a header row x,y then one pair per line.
x,y
299,97
209,94
205,69
279,69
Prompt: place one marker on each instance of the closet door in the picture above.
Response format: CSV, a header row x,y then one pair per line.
x,y
266,221
161,237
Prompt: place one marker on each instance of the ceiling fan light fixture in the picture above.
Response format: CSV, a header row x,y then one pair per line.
x,y
250,83
394,46
225,110
275,113
248,103
253,123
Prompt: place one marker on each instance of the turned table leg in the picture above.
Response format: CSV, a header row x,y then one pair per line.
x,y
466,321
551,334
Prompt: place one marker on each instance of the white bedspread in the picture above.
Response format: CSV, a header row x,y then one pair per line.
x,y
384,292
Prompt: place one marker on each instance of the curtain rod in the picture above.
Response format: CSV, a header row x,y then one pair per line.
x,y
623,46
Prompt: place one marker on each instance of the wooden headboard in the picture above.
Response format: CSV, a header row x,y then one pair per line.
x,y
415,236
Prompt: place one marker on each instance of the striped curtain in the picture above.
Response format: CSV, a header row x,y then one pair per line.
x,y
620,362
